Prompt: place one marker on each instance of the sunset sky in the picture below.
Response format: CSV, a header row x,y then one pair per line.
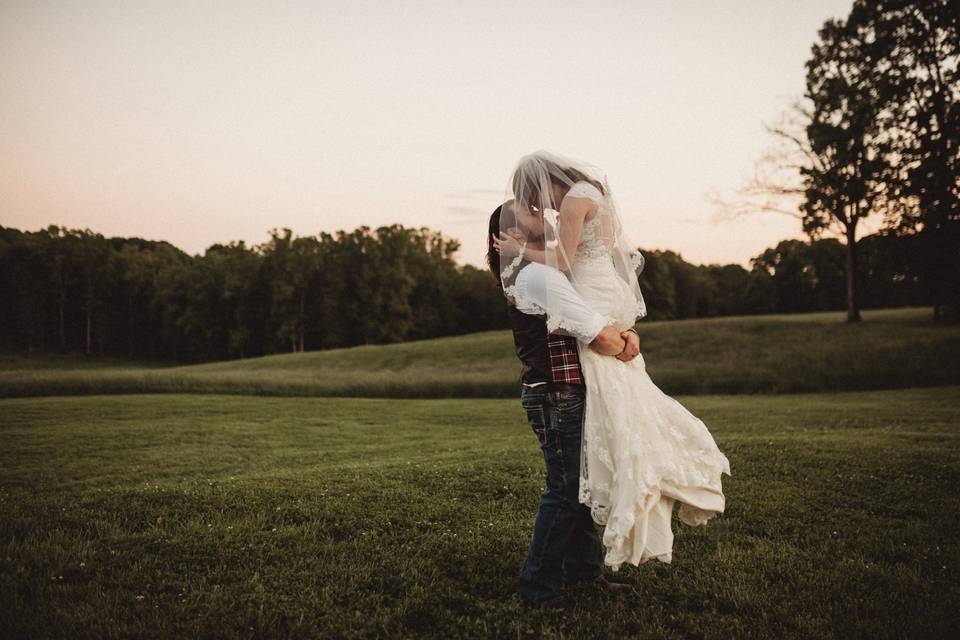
x,y
205,122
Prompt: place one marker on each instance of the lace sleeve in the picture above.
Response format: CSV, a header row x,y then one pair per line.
x,y
585,190
542,290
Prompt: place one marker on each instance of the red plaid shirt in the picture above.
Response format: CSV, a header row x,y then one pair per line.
x,y
564,359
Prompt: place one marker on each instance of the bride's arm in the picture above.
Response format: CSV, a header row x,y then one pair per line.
x,y
573,211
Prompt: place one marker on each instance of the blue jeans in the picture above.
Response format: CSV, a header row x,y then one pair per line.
x,y
565,546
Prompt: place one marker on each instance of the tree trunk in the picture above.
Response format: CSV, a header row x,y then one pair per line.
x,y
89,331
853,306
130,326
90,295
63,332
302,323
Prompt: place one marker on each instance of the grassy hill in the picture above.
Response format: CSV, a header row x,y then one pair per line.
x,y
194,516
751,354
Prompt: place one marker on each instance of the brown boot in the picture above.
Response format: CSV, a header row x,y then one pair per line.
x,y
613,587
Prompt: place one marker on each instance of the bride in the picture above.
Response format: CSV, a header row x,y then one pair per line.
x,y
642,450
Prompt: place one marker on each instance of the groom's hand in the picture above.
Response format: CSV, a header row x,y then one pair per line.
x,y
632,349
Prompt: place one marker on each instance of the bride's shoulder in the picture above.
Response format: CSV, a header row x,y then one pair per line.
x,y
584,189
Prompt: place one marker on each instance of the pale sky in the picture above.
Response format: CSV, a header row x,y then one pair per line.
x,y
204,122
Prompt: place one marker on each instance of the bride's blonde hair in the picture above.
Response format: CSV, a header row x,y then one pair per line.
x,y
525,187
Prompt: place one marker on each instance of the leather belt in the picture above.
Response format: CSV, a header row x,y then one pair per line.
x,y
564,386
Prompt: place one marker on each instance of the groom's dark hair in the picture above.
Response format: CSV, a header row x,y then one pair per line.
x,y
493,229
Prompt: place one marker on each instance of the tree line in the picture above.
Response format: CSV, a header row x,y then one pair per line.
x,y
75,290
878,133
795,276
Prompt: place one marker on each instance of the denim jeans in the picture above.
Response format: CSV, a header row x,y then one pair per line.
x,y
565,547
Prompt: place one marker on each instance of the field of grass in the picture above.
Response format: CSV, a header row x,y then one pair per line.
x,y
182,516
892,348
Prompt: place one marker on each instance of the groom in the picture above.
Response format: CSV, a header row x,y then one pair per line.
x,y
565,548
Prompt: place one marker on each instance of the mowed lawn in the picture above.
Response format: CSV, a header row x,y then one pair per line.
x,y
183,516
891,348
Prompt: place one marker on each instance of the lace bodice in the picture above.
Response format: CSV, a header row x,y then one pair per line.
x,y
592,245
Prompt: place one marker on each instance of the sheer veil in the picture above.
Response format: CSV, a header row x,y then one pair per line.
x,y
531,216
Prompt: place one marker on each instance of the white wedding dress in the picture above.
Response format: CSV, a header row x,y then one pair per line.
x,y
642,451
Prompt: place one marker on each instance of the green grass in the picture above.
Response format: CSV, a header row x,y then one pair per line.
x,y
180,516
893,348
39,361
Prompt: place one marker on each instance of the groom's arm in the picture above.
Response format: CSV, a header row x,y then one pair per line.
x,y
632,350
624,345
548,288
608,342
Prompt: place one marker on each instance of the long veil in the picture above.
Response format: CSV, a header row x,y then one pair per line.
x,y
532,217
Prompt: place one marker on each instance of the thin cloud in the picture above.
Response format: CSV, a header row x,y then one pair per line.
x,y
462,211
473,194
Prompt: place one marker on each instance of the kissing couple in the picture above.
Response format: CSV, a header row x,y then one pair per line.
x,y
618,451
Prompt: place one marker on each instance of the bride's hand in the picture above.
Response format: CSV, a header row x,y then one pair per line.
x,y
632,348
507,245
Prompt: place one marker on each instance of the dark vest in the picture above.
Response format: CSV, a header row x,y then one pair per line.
x,y
530,340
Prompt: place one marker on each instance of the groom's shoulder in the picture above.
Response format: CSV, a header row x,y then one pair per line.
x,y
521,320
513,274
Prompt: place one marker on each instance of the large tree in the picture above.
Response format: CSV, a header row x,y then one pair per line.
x,y
916,46
292,263
833,154
846,177
98,271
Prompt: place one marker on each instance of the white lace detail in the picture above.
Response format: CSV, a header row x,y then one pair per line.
x,y
557,322
584,189
508,270
512,293
538,290
591,246
597,280
565,325
642,451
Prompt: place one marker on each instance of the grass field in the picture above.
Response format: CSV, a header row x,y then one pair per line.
x,y
182,516
893,348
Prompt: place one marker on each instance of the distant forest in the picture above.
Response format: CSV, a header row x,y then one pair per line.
x,y
77,291
877,132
